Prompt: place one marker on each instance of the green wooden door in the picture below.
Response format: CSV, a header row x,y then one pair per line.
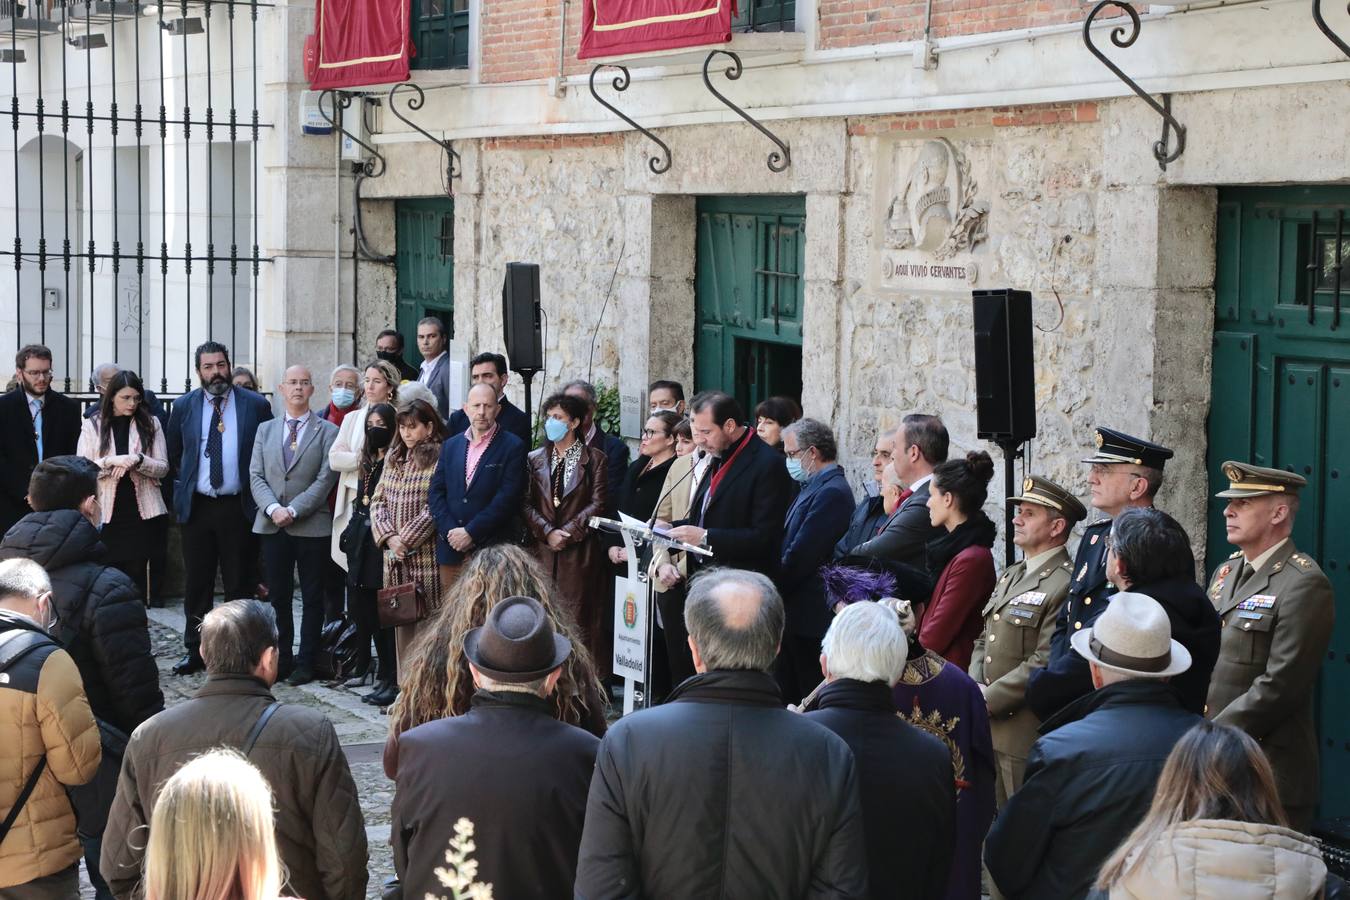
x,y
1281,397
424,240
748,284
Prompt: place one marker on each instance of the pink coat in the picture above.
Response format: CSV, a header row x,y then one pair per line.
x,y
145,479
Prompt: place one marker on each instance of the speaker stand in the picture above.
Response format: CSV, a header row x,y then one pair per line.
x,y
527,377
1012,450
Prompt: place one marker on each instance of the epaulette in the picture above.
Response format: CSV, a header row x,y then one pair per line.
x,y
1301,561
1235,554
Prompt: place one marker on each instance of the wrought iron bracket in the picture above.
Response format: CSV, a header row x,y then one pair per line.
x,y
452,166
1123,37
658,164
342,100
779,159
1326,29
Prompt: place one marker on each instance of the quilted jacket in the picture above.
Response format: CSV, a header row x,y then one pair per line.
x,y
42,710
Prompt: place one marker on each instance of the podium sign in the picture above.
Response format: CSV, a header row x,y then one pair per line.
x,y
630,629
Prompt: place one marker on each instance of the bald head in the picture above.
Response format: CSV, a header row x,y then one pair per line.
x,y
297,387
481,407
735,620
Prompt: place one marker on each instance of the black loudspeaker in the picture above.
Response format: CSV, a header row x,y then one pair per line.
x,y
1005,373
521,318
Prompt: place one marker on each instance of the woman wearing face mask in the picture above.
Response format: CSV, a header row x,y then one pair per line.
x,y
380,386
127,444
364,561
400,520
568,486
960,558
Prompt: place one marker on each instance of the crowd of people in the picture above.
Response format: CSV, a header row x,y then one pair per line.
x,y
849,698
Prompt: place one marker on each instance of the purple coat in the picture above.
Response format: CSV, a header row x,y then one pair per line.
x,y
943,700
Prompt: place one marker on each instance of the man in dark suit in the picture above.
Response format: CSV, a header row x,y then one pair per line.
x,y
478,490
1126,471
742,501
490,369
210,444
35,423
815,521
389,347
920,444
614,448
433,343
520,775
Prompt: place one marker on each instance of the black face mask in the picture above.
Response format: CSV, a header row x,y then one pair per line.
x,y
393,356
378,436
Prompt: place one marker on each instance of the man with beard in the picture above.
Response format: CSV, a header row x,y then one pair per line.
x,y
210,442
35,423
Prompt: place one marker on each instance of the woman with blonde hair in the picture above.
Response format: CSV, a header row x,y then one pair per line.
x,y
436,680
1216,829
212,835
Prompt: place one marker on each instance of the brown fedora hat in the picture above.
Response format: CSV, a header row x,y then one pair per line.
x,y
517,643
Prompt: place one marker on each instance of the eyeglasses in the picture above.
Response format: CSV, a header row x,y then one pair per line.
x,y
41,375
299,384
1103,469
650,433
793,454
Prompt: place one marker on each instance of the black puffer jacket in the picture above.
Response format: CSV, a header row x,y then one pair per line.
x,y
721,792
101,622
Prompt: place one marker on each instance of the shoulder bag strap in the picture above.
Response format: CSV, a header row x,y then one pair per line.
x,y
259,725
23,797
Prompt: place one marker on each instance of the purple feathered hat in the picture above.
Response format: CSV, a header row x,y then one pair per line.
x,y
852,584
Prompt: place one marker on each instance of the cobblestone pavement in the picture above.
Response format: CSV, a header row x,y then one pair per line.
x,y
359,726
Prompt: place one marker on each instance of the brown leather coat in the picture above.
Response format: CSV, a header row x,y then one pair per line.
x,y
577,568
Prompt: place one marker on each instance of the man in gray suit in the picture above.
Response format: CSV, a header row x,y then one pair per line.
x,y
291,482
433,343
920,445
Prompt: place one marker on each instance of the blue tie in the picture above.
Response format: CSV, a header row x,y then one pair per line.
x,y
36,409
213,446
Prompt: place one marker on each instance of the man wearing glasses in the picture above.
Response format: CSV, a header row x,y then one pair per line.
x,y
1126,472
36,422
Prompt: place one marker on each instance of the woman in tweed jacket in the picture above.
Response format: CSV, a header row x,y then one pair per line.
x,y
400,520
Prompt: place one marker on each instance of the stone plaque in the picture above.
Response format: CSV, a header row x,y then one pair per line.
x,y
934,220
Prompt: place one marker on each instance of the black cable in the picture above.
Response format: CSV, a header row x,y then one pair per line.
x,y
609,293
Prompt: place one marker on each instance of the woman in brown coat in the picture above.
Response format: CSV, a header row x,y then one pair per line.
x,y
400,520
567,486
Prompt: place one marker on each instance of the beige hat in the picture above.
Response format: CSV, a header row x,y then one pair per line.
x,y
1134,637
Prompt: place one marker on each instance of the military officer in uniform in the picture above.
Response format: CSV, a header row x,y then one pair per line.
x,y
1126,471
1019,619
1277,609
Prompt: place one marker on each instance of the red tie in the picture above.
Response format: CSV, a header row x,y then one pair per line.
x,y
904,495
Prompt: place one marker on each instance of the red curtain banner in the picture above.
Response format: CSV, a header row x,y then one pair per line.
x,y
615,27
357,43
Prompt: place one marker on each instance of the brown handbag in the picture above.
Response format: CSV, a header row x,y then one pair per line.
x,y
402,603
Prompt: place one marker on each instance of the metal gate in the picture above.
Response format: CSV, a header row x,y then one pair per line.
x,y
133,208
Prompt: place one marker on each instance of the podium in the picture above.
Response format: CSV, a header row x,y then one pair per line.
x,y
633,606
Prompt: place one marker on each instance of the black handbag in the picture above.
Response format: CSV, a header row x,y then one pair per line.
x,y
339,643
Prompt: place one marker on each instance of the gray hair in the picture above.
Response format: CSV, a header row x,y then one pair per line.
x,y
346,368
235,634
431,320
890,477
729,636
866,643
96,375
585,387
535,687
814,433
416,390
23,578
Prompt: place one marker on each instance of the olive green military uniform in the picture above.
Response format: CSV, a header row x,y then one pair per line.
x,y
1276,629
1019,620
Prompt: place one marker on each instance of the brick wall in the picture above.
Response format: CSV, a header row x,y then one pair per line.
x,y
996,116
520,39
850,23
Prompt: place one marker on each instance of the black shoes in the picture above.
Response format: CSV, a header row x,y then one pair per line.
x,y
301,675
383,695
189,664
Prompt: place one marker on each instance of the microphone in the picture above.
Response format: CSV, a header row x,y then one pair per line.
x,y
699,454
